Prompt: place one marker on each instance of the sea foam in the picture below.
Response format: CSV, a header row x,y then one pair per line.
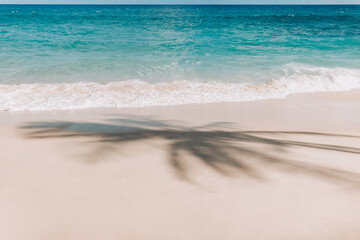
x,y
136,93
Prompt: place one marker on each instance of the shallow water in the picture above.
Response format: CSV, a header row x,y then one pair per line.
x,y
64,57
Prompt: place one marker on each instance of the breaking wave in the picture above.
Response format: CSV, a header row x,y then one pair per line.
x,y
136,93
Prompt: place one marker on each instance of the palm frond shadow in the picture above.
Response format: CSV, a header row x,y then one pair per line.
x,y
226,152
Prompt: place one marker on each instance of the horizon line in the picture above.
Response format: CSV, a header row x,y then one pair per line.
x,y
189,4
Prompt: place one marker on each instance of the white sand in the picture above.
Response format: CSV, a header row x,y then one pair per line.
x,y
104,175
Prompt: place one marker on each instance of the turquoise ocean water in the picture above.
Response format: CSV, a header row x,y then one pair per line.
x,y
71,57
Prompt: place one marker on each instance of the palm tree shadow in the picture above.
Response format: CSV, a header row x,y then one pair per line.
x,y
227,152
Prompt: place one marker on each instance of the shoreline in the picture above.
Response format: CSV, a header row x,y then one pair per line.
x,y
334,103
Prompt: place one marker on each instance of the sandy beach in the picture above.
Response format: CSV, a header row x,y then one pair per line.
x,y
271,169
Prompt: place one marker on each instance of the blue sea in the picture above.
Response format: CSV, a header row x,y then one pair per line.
x,y
58,57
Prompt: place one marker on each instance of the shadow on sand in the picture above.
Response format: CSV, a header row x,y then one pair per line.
x,y
225,151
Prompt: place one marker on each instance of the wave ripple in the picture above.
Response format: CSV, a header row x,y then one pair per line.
x,y
135,93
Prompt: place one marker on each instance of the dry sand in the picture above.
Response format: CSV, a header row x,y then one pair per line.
x,y
274,169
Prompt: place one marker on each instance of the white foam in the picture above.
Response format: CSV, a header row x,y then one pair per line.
x,y
135,93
